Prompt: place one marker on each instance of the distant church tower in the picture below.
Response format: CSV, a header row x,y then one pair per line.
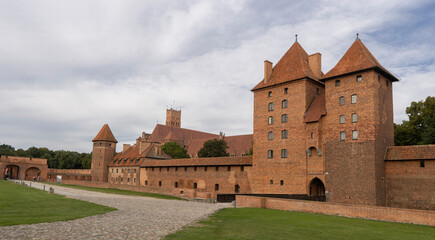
x,y
103,151
173,117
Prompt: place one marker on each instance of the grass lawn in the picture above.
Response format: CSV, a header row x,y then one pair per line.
x,y
255,223
120,191
26,205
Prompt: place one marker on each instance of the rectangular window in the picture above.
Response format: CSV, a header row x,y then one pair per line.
x,y
269,94
270,135
134,179
112,170
146,182
128,170
271,181
353,99
270,120
281,182
422,163
354,135
195,169
122,170
342,119
359,78
341,101
176,184
284,118
284,153
285,90
284,134
185,168
242,168
270,154
229,168
284,103
270,106
217,168
312,135
354,117
337,83
160,183
205,169
342,136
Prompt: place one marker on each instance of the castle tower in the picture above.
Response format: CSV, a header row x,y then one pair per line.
x,y
103,151
173,117
280,134
358,127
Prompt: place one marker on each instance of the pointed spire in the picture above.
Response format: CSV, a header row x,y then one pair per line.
x,y
105,134
357,37
296,37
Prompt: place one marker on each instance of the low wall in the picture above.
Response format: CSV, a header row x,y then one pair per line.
x,y
424,217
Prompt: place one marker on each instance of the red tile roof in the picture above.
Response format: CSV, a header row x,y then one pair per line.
x,y
357,58
186,162
237,145
316,109
131,156
416,152
105,134
292,66
163,132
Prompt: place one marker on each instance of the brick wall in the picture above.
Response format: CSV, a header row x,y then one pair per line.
x,y
341,209
27,168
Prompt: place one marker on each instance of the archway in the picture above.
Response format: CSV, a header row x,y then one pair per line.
x,y
32,174
317,188
11,171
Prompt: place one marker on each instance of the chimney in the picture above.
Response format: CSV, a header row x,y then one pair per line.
x,y
267,70
125,147
315,62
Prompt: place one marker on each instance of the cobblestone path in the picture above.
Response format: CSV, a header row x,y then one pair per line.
x,y
136,218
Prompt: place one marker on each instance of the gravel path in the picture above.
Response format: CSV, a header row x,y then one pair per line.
x,y
136,218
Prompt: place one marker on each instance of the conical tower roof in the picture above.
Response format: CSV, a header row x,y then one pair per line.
x,y
357,58
292,66
105,134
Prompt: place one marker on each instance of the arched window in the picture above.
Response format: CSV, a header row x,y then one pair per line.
x,y
284,134
270,135
284,153
284,104
270,154
236,188
270,106
341,101
216,187
176,184
270,120
195,185
284,118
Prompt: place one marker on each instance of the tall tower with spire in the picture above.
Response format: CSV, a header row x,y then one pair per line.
x,y
104,147
173,117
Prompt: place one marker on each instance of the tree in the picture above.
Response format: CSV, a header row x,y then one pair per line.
x,y
7,150
174,150
214,148
420,128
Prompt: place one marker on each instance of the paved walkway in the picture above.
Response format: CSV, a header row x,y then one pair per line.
x,y
136,218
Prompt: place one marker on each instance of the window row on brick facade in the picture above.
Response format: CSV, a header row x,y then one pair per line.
x,y
122,170
284,119
354,118
284,135
121,179
284,104
284,153
205,168
354,135
269,94
357,79
195,186
281,182
353,100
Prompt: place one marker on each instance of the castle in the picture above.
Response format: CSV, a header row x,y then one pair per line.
x,y
317,135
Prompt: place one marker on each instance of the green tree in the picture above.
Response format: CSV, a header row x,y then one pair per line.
x,y
420,128
214,148
7,150
174,150
86,160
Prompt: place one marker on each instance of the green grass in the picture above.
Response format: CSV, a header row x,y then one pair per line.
x,y
255,223
26,205
120,191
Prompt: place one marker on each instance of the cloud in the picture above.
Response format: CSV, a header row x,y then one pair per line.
x,y
66,68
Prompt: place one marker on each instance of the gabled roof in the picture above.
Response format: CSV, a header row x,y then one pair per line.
x,y
163,132
292,66
357,58
237,145
105,134
316,109
131,156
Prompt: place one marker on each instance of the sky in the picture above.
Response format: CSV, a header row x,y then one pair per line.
x,y
69,67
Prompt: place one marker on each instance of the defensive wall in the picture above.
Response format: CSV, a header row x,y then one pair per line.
x,y
23,168
410,177
69,174
424,217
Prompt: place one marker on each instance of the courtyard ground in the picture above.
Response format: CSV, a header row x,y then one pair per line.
x,y
254,223
136,218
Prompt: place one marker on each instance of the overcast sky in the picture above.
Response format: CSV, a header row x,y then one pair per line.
x,y
68,67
